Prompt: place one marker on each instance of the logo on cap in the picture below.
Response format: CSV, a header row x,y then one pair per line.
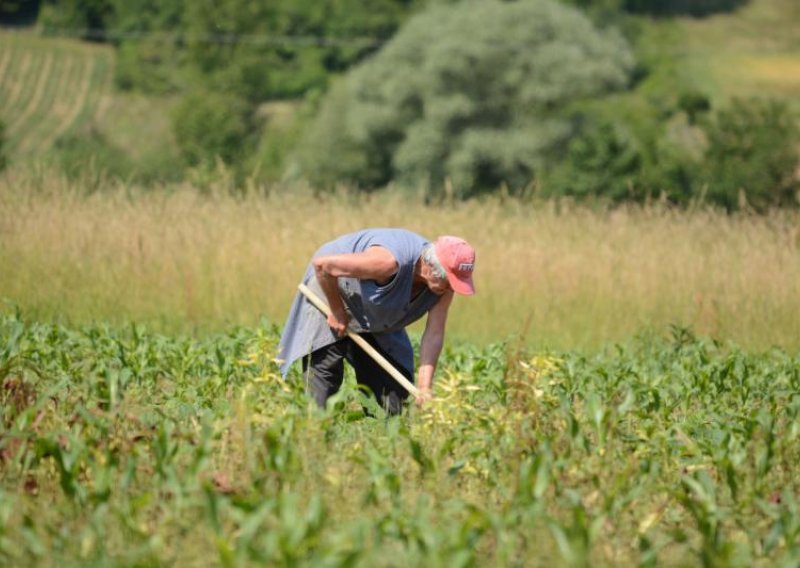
x,y
458,259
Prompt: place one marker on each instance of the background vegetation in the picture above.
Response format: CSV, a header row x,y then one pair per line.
x,y
683,100
561,276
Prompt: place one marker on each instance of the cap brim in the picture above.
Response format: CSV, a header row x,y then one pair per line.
x,y
464,287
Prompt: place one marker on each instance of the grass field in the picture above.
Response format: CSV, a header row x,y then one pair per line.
x,y
49,88
565,277
752,52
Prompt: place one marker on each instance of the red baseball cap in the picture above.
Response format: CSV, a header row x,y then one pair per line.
x,y
458,259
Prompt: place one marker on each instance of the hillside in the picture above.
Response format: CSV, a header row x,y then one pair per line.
x,y
50,87
754,51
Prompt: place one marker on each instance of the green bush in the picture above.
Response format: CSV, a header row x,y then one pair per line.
x,y
604,160
89,156
90,18
89,153
210,126
149,44
752,155
470,92
283,48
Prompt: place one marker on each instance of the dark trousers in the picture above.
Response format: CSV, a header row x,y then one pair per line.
x,y
324,373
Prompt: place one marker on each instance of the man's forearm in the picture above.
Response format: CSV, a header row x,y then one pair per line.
x,y
330,287
430,348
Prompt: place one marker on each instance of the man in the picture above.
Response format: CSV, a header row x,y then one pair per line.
x,y
376,282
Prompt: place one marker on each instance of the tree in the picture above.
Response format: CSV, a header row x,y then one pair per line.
x,y
210,126
150,46
284,48
88,18
469,91
752,155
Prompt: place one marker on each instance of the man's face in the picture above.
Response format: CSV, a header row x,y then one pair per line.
x,y
436,285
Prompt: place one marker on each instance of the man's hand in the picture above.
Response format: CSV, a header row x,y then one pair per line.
x,y
425,395
338,322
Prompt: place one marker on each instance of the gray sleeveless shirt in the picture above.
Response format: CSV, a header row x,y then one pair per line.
x,y
383,311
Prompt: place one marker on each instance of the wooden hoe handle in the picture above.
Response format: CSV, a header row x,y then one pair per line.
x,y
371,351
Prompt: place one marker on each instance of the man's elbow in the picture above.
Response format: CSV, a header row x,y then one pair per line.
x,y
321,266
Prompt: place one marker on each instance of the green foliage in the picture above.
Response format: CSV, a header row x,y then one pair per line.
x,y
284,48
694,104
149,51
681,7
210,126
90,18
602,161
752,155
160,450
261,51
90,157
627,149
89,153
470,92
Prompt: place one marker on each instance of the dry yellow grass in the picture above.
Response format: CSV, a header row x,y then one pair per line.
x,y
564,277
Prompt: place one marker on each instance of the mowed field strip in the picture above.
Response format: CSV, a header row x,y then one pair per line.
x,y
49,88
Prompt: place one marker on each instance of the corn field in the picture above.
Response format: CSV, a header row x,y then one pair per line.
x,y
123,447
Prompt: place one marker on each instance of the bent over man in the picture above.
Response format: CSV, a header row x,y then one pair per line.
x,y
376,282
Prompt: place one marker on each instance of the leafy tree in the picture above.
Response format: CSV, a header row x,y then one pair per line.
x,y
90,18
283,48
150,50
752,155
470,91
212,125
604,160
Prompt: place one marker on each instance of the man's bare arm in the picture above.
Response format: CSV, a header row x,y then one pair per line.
x,y
431,344
376,263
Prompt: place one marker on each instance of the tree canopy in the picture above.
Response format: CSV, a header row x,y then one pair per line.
x,y
472,92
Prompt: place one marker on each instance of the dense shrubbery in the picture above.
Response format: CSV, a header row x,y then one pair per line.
x,y
91,157
91,152
474,95
470,95
603,160
89,18
211,125
260,50
742,154
681,7
752,156
696,8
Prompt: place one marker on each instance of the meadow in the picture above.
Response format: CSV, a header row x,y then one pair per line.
x,y
50,88
558,275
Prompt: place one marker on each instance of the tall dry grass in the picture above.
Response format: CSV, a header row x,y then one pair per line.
x,y
564,277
